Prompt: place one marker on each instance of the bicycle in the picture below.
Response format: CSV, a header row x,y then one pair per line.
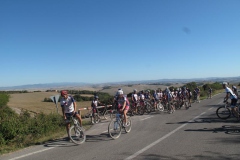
x,y
185,103
76,132
224,112
159,106
115,126
98,115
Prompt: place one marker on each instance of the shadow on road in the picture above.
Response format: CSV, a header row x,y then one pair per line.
x,y
207,155
60,143
97,138
228,129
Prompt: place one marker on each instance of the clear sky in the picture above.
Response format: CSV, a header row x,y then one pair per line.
x,y
97,41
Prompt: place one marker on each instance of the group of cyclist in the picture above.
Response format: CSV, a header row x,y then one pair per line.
x,y
167,95
69,106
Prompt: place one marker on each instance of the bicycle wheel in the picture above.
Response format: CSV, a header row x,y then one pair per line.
x,y
186,104
223,113
107,115
148,108
140,110
115,129
234,114
128,125
77,134
96,118
160,107
113,114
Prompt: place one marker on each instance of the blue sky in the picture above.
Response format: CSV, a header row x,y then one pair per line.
x,y
117,40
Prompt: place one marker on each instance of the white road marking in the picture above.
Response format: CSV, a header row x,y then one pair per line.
x,y
162,138
106,131
146,118
43,150
210,108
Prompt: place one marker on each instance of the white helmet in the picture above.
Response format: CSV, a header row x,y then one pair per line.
x,y
119,92
225,83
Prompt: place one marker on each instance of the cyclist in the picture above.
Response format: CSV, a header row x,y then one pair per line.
x,y
69,107
195,95
160,94
210,92
230,94
123,105
169,99
234,89
198,94
141,98
135,99
185,96
94,105
155,99
115,99
147,95
189,97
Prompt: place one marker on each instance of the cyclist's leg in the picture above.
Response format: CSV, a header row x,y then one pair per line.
x,y
125,114
235,108
68,117
189,100
79,118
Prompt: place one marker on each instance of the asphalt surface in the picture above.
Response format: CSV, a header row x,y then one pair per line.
x,y
195,133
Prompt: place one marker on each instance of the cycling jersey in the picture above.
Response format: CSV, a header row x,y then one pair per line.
x,y
155,96
67,104
147,96
142,96
135,97
160,95
121,101
232,95
94,103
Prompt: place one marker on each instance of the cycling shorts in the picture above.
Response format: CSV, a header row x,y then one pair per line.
x,y
233,103
125,109
68,115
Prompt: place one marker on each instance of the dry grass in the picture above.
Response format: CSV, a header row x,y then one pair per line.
x,y
129,88
34,102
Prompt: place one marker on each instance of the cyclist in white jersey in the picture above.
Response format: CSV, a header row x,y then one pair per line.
x,y
135,99
123,105
69,107
141,98
230,94
235,91
160,94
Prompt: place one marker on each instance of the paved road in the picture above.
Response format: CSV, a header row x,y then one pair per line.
x,y
196,133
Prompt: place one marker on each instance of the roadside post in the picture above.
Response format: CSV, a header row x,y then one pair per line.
x,y
55,100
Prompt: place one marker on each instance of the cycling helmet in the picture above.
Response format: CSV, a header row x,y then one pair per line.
x,y
120,92
234,87
225,83
134,90
63,93
96,97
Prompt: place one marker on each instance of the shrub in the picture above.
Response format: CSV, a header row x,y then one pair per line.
x,y
4,98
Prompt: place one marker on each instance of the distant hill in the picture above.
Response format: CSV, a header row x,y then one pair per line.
x,y
98,85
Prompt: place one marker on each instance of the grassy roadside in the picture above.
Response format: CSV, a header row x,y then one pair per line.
x,y
214,93
20,131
